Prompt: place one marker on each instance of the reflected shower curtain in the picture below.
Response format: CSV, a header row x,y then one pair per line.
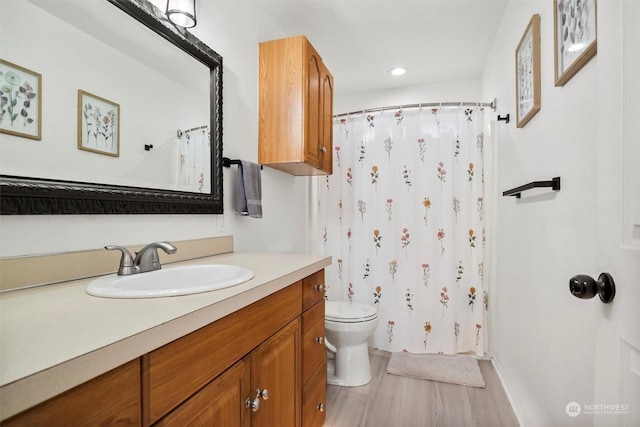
x,y
194,161
402,218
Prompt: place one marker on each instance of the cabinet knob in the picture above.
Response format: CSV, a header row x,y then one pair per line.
x,y
254,404
323,150
320,407
319,288
319,340
264,393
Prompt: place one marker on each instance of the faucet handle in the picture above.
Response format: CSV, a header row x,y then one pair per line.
x,y
126,262
147,258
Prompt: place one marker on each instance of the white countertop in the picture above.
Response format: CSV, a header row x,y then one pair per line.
x,y
55,337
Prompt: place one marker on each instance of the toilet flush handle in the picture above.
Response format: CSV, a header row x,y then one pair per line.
x,y
330,346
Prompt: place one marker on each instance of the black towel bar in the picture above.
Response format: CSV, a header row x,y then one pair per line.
x,y
227,162
554,184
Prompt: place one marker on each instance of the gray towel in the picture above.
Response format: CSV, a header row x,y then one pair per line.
x,y
248,190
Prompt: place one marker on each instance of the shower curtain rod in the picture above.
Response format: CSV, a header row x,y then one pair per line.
x,y
182,132
492,104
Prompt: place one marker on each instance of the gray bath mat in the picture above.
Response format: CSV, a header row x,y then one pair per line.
x,y
455,369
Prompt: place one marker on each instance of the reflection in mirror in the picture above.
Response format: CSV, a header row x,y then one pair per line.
x,y
169,98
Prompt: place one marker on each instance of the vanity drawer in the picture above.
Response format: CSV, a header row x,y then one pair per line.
x,y
174,372
312,289
314,352
314,399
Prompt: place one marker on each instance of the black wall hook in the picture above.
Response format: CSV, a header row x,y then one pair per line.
x,y
148,147
505,118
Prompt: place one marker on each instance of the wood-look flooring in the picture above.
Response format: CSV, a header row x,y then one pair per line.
x,y
394,401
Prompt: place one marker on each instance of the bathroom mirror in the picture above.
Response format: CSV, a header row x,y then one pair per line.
x,y
49,180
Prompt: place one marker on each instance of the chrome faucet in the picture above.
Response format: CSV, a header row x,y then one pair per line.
x,y
146,259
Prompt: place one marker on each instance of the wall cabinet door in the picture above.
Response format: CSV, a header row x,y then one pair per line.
x,y
275,379
326,121
313,138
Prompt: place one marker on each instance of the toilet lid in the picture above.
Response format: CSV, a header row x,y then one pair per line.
x,y
349,312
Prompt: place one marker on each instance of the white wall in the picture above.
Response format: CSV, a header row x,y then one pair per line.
x,y
541,336
233,29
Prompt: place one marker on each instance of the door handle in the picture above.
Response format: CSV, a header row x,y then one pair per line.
x,y
585,287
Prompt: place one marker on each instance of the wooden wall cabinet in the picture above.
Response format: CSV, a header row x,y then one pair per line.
x,y
295,123
263,365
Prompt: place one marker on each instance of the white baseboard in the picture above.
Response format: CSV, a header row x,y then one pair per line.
x,y
514,406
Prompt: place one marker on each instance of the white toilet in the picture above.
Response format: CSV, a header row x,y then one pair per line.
x,y
348,325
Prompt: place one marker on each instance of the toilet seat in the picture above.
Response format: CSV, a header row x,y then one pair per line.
x,y
349,312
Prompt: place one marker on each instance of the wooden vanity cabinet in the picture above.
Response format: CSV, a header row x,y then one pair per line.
x,y
295,117
219,403
227,400
266,334
112,399
261,366
314,352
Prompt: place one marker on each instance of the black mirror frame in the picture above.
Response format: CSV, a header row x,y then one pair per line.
x,y
21,195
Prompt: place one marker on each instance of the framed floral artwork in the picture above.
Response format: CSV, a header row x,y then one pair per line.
x,y
576,41
98,124
528,73
20,101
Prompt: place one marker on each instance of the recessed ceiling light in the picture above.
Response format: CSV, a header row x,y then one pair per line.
x,y
397,71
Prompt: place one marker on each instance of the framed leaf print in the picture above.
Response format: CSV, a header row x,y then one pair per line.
x,y
98,124
20,101
576,40
528,73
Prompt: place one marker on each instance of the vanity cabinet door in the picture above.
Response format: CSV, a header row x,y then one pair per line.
x,y
275,367
220,403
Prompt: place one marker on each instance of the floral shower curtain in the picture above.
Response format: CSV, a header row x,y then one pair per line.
x,y
402,218
194,161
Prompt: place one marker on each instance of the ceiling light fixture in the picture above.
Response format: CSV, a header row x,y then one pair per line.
x,y
182,12
397,71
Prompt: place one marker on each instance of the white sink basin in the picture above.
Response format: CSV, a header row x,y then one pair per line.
x,y
170,281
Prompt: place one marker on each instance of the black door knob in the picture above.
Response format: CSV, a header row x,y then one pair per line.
x,y
585,287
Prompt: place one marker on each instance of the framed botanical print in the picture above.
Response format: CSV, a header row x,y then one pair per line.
x,y
576,36
98,124
528,73
20,101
